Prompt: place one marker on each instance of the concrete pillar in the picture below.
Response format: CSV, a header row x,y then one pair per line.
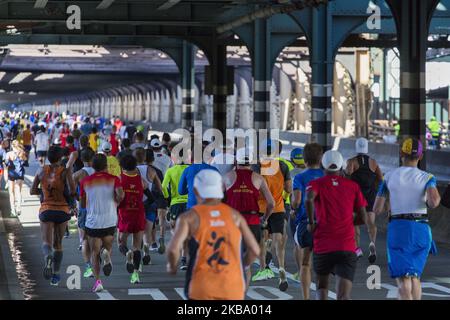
x,y
188,78
220,90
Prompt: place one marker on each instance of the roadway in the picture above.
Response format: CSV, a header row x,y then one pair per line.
x,y
21,268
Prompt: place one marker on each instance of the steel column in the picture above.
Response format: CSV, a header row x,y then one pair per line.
x,y
188,92
220,87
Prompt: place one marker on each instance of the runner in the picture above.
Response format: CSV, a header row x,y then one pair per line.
x,y
42,143
49,183
27,142
114,140
177,201
113,163
216,265
410,192
131,215
125,149
330,203
302,237
139,141
276,174
149,175
15,165
367,174
100,194
93,139
243,188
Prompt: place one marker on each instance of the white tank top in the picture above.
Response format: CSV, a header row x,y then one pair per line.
x,y
143,171
407,190
89,170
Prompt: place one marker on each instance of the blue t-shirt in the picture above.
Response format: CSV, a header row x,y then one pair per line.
x,y
186,184
301,181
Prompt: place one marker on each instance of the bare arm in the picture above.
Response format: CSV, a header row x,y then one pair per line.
x,y
72,158
433,198
70,182
309,205
119,195
379,204
34,191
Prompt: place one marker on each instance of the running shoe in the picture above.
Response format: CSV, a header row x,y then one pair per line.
x,y
55,280
260,275
88,273
48,270
269,273
67,234
107,265
296,276
98,286
359,253
135,278
373,253
184,265
162,247
154,247
146,259
80,247
283,285
130,265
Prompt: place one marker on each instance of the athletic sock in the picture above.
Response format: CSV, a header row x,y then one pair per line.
x,y
57,258
47,250
137,259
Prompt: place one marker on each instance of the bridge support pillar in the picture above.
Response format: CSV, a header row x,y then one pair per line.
x,y
220,88
188,92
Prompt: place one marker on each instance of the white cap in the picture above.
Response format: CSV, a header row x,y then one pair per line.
x,y
332,160
155,143
106,146
208,184
362,146
244,156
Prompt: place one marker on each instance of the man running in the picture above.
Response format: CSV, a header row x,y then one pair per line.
x,y
149,174
100,195
42,143
216,266
49,183
131,215
86,157
276,173
330,203
113,163
312,155
177,201
367,174
410,192
243,188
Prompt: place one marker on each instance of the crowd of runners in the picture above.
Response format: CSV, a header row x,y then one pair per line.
x,y
125,187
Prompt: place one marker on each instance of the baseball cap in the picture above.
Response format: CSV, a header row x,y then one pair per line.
x,y
106,146
412,147
155,143
332,160
362,146
297,156
244,156
208,184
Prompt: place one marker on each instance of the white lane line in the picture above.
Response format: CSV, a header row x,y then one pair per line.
x,y
105,295
252,294
156,294
180,292
290,276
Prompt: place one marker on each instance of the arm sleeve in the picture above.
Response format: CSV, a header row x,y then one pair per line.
x,y
383,190
431,183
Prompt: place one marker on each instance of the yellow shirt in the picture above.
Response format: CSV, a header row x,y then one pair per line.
x,y
113,166
93,141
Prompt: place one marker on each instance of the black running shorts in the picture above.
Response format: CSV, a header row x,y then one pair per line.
x,y
340,263
100,233
55,216
275,223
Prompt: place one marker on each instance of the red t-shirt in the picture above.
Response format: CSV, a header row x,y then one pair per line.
x,y
63,137
336,200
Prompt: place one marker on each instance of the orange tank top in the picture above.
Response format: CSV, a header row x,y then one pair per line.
x,y
52,185
271,172
215,266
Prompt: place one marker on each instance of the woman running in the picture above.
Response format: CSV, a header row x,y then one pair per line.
x,y
15,162
49,183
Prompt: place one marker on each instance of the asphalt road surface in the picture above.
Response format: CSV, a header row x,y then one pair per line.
x,y
22,262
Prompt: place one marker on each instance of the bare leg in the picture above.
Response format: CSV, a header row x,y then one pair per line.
x,y
357,236
95,244
372,227
12,196
305,272
343,288
19,184
59,231
322,287
404,288
279,248
416,289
